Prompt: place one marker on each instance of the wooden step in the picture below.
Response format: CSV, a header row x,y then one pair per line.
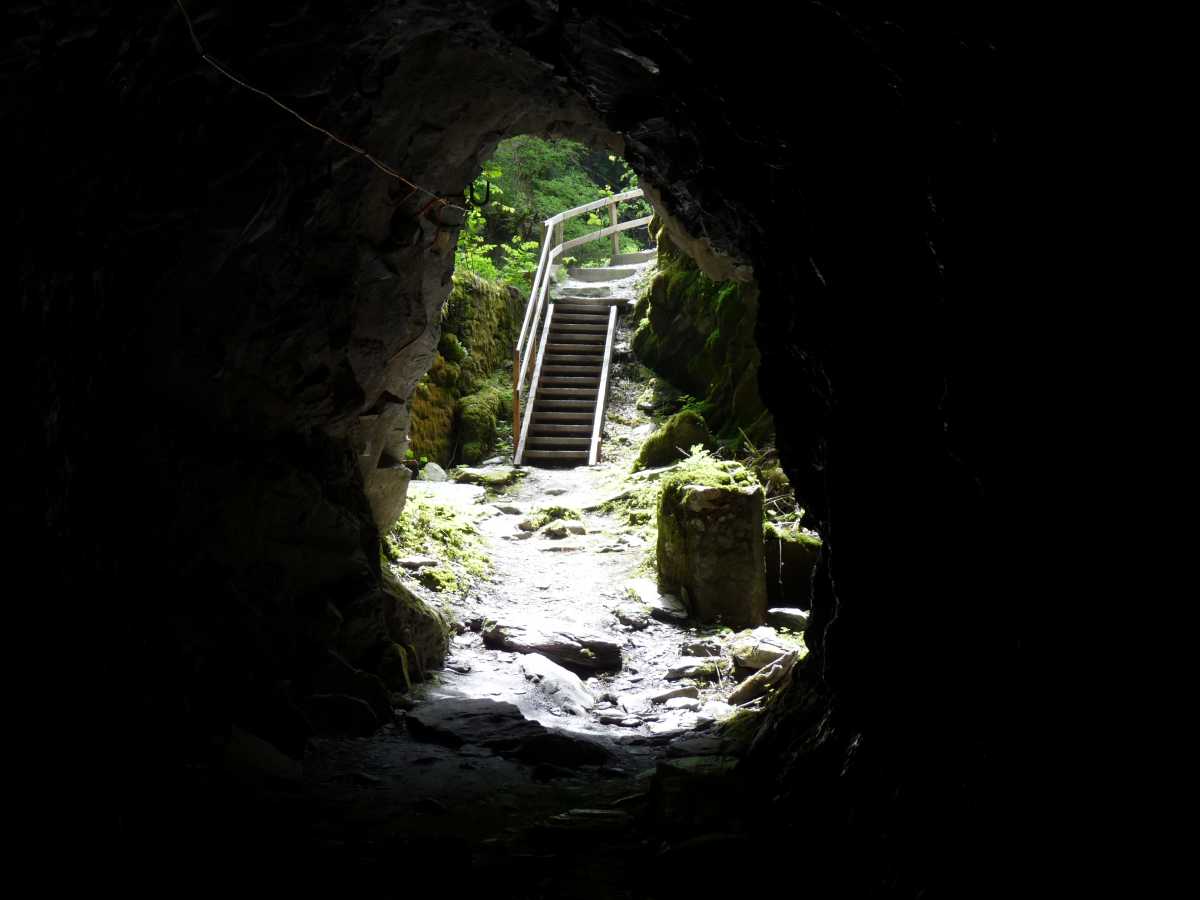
x,y
537,441
577,328
559,392
568,381
569,371
566,359
575,348
576,304
555,416
555,429
600,273
627,259
599,318
582,293
563,404
566,337
557,455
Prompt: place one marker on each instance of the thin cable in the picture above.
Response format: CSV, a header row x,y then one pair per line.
x,y
382,166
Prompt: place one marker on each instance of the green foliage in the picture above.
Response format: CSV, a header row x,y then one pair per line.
x,y
532,179
628,209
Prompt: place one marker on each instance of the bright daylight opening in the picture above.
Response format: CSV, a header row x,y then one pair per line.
x,y
597,520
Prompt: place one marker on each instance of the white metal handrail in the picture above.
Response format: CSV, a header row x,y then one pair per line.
x,y
553,247
602,391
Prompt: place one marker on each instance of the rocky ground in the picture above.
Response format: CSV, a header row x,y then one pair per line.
x,y
578,708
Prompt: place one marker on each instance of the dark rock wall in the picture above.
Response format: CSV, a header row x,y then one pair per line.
x,y
211,297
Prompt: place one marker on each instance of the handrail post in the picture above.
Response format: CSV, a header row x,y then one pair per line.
x,y
516,403
616,238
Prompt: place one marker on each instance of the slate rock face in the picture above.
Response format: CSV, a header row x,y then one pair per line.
x,y
710,549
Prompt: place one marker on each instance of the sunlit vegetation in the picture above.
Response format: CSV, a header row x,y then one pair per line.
x,y
528,180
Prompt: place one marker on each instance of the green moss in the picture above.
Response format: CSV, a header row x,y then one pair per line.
x,y
546,514
393,668
479,418
479,322
672,441
440,578
451,347
699,334
741,727
791,535
429,528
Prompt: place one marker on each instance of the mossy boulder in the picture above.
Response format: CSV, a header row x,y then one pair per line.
x,y
394,668
479,322
416,625
451,347
710,546
479,415
791,556
674,439
699,334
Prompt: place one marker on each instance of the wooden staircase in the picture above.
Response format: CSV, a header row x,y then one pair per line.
x,y
571,380
563,417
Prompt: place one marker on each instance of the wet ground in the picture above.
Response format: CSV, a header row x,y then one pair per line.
x,y
546,817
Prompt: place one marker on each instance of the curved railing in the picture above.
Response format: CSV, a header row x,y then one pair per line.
x,y
553,247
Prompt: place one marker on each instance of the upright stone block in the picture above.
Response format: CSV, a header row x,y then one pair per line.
x,y
710,550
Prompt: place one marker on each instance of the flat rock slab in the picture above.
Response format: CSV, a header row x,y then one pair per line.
x,y
690,692
758,648
701,745
492,477
559,687
701,647
417,562
701,669
632,615
488,723
663,607
497,726
578,652
788,617
764,679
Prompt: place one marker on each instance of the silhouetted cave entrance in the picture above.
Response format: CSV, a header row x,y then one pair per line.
x,y
255,330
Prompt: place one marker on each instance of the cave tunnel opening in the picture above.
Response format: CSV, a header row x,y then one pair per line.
x,y
553,575
256,328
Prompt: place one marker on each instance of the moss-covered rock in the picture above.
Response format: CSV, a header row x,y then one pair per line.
x,y
699,334
791,556
479,417
394,668
674,440
479,323
451,347
545,514
416,625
